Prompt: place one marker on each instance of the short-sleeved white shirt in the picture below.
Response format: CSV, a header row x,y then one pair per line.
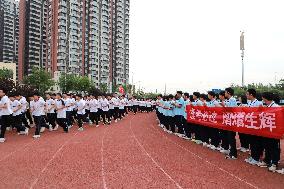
x,y
62,112
8,110
81,107
15,105
104,105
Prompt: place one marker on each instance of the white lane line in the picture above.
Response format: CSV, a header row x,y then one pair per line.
x,y
102,160
142,147
51,159
203,159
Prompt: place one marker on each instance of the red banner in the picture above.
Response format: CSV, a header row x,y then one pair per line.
x,y
262,121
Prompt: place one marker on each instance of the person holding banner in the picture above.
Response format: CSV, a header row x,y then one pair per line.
x,y
243,139
214,134
271,145
196,128
224,148
231,135
255,141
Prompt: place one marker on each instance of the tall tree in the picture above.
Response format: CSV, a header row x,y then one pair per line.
x,y
6,73
67,82
40,79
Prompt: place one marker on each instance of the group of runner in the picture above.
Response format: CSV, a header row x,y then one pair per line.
x,y
64,110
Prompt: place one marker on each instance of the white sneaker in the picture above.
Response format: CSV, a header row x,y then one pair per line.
x,y
231,157
244,150
272,168
42,129
36,136
115,121
50,128
198,142
204,144
81,129
262,164
225,151
220,148
253,162
248,159
209,145
8,129
56,127
213,148
281,171
2,140
97,126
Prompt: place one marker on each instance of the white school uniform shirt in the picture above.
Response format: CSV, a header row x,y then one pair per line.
x,y
121,104
73,101
68,102
43,113
15,105
135,102
273,104
24,104
213,103
197,103
81,107
111,104
60,104
116,102
50,106
87,106
232,102
104,105
94,105
100,103
255,103
148,104
8,110
37,107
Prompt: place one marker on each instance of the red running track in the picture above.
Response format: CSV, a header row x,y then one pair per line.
x,y
134,153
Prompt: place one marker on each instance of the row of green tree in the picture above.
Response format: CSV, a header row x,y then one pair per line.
x,y
41,80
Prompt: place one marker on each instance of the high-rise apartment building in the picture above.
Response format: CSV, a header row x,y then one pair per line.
x,y
9,30
85,37
32,35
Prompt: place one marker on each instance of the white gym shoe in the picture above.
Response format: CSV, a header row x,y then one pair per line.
x,y
36,136
56,127
220,148
81,129
244,150
262,164
198,142
272,168
248,159
213,147
253,162
97,126
225,151
281,171
204,144
115,121
2,140
42,129
231,157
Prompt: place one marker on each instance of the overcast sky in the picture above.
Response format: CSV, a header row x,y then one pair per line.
x,y
194,45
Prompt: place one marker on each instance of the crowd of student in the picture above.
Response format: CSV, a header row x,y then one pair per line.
x,y
263,152
20,113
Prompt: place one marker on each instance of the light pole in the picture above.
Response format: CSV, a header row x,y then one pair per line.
x,y
242,48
